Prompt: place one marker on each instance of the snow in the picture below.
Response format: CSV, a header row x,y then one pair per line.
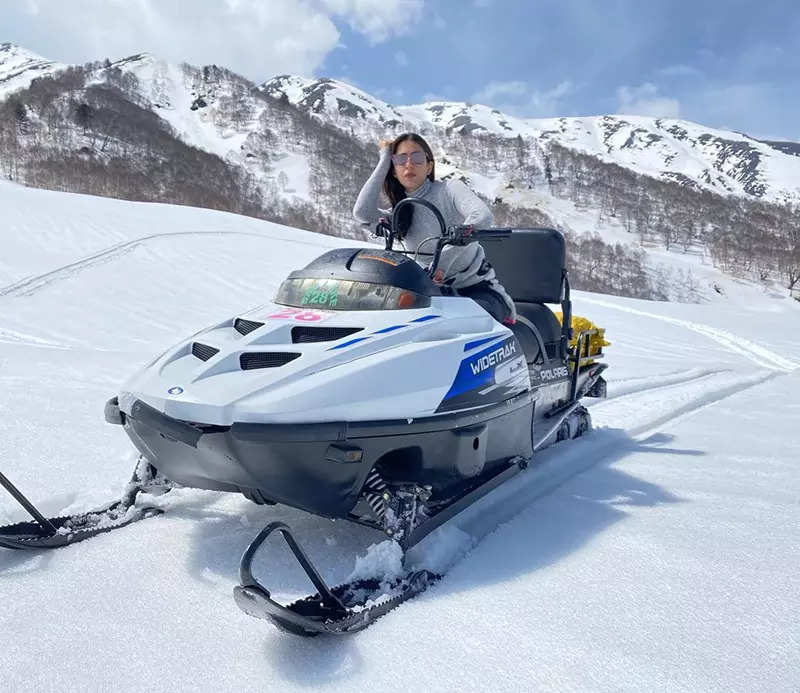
x,y
384,559
297,171
19,67
658,552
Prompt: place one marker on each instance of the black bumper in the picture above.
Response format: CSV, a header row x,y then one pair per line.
x,y
321,467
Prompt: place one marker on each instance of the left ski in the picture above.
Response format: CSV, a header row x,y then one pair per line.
x,y
71,529
55,532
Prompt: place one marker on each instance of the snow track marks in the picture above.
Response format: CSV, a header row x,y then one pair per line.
x,y
750,350
30,285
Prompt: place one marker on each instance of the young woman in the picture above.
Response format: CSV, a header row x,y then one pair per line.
x,y
406,169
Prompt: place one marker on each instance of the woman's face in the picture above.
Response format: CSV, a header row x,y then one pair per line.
x,y
411,175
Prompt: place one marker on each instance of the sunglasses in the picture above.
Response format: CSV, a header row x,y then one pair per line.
x,y
416,158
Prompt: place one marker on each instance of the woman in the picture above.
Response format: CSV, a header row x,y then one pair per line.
x,y
406,169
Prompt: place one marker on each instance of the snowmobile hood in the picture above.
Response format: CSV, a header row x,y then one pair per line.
x,y
277,364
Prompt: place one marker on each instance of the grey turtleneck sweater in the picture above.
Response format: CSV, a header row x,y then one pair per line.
x,y
458,205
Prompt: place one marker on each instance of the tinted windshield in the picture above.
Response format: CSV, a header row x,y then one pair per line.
x,y
344,294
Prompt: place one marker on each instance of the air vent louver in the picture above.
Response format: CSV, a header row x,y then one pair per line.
x,y
269,359
243,326
304,334
203,351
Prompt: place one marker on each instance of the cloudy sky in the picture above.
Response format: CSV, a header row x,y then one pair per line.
x,y
725,63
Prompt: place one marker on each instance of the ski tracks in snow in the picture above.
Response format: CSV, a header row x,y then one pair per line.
x,y
21,339
29,285
750,350
649,408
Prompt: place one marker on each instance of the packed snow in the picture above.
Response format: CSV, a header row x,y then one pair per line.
x,y
659,552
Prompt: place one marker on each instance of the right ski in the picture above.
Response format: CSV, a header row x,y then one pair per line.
x,y
347,608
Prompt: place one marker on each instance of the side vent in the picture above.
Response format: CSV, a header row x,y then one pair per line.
x,y
304,334
203,351
243,326
269,359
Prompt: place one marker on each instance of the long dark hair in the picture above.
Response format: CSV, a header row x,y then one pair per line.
x,y
393,188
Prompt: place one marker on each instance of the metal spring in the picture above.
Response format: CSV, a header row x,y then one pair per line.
x,y
375,493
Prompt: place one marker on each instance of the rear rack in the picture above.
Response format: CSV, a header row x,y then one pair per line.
x,y
579,357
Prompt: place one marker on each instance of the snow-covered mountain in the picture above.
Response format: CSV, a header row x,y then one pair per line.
x,y
675,150
18,67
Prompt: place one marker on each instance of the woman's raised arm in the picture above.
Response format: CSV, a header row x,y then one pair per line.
x,y
366,210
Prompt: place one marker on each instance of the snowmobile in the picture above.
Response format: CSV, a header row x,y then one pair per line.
x,y
365,392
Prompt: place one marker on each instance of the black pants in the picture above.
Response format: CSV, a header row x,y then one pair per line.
x,y
488,299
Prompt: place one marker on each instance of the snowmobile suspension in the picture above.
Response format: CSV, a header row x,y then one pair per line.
x,y
376,493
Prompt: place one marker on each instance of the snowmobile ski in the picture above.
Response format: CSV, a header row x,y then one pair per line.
x,y
55,532
350,607
346,608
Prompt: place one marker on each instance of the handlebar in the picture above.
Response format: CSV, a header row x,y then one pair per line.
x,y
458,235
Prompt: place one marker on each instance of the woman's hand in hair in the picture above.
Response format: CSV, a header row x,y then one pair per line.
x,y
385,144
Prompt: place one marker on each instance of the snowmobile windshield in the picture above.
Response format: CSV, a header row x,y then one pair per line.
x,y
345,294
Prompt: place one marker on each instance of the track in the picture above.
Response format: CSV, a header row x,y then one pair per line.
x,y
30,285
629,386
756,353
20,338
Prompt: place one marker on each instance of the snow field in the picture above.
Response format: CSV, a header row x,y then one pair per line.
x,y
658,552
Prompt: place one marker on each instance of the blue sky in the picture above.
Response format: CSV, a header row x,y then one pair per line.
x,y
728,64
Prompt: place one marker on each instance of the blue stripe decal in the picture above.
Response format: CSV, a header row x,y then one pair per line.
x,y
478,342
346,344
478,370
389,329
426,317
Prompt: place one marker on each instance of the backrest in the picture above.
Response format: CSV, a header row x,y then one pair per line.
x,y
529,263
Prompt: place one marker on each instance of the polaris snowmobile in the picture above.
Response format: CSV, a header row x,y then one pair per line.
x,y
364,392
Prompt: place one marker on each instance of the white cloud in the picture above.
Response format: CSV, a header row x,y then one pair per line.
x,y
378,20
645,100
522,99
401,58
547,103
256,38
500,90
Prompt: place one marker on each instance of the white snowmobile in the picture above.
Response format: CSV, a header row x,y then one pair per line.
x,y
363,392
